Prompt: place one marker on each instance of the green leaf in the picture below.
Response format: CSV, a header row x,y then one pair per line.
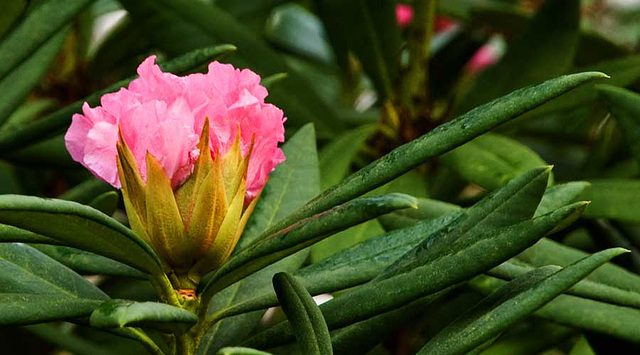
x,y
21,308
492,160
337,156
544,51
202,24
291,185
549,252
586,288
88,263
440,140
240,351
582,347
624,105
87,191
10,234
531,338
67,340
451,268
561,195
582,313
427,209
369,31
123,313
613,198
27,270
295,29
12,9
266,251
80,227
58,121
511,303
106,203
18,83
309,327
345,239
43,22
512,204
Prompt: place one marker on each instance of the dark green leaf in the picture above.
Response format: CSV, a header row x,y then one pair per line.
x,y
625,107
440,140
67,340
12,9
561,195
492,160
27,270
43,22
240,351
78,226
291,185
18,83
266,251
106,203
427,209
309,327
451,268
613,198
512,302
122,313
21,308
13,234
369,30
88,263
293,28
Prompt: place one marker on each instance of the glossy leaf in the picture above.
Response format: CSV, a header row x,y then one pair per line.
x,y
29,271
122,313
43,23
492,160
268,250
22,308
440,140
512,302
310,329
12,234
78,226
292,184
451,268
18,83
88,263
613,198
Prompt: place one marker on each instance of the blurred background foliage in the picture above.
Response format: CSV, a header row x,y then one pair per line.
x,y
369,80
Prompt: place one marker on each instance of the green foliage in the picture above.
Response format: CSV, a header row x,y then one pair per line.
x,y
417,188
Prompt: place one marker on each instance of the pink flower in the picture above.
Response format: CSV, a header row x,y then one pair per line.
x,y
163,114
488,55
404,14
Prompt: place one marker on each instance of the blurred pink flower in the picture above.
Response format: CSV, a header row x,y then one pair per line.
x,y
163,114
404,14
488,55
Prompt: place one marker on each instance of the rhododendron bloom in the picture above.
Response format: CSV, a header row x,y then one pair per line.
x,y
191,155
404,14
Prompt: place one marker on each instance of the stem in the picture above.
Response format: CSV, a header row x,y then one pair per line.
x,y
415,83
168,294
145,340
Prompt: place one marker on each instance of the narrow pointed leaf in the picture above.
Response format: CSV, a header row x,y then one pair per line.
x,y
561,195
22,309
624,105
613,198
292,184
87,263
450,269
27,270
122,313
266,251
10,234
440,140
106,203
310,329
240,351
509,304
78,226
492,160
